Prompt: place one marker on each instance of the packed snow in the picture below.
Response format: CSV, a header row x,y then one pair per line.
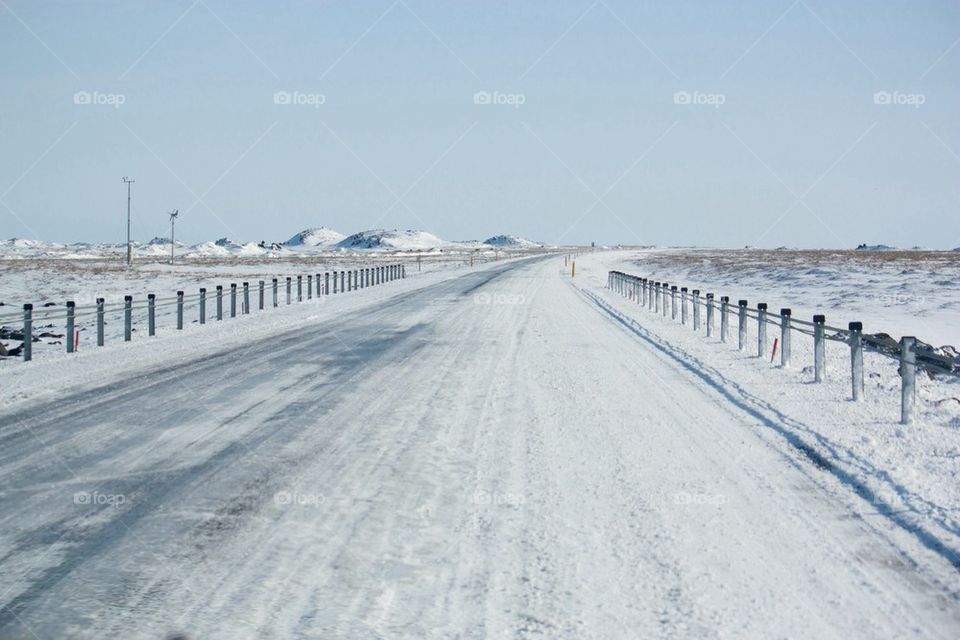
x,y
537,456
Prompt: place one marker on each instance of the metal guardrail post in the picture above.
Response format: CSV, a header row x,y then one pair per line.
x,y
100,321
663,296
343,281
71,310
299,288
683,305
127,318
261,295
673,302
27,332
856,359
246,298
908,378
276,296
179,310
724,317
742,325
819,349
203,305
289,289
309,286
709,315
762,330
151,314
233,299
219,302
326,283
696,309
335,284
785,338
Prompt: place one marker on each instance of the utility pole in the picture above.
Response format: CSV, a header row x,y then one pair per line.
x,y
173,218
129,245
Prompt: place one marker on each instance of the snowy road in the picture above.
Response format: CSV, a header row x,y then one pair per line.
x,y
492,456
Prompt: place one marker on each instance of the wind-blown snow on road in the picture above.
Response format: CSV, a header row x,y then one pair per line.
x,y
491,456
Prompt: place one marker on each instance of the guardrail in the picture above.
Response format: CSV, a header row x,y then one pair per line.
x,y
342,282
911,354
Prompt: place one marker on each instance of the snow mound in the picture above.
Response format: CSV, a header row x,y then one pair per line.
x,y
511,242
410,240
210,249
315,237
251,249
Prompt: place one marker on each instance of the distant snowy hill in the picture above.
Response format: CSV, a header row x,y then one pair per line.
x,y
315,240
875,247
315,237
410,240
511,242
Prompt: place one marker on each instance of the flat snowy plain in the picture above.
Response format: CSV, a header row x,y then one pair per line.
x,y
496,451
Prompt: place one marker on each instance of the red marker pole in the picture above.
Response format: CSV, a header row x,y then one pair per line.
x,y
774,354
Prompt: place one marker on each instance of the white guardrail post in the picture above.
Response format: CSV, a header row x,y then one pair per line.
x,y
856,359
785,338
819,349
151,314
100,321
27,332
673,302
696,310
127,318
683,305
724,317
762,330
742,325
71,310
709,315
908,378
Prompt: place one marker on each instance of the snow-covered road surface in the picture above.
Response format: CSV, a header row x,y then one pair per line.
x,y
491,456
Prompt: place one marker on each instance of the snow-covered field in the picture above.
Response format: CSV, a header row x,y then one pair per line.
x,y
489,451
48,275
896,292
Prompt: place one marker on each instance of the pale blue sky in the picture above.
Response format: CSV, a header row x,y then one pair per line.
x,y
797,154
